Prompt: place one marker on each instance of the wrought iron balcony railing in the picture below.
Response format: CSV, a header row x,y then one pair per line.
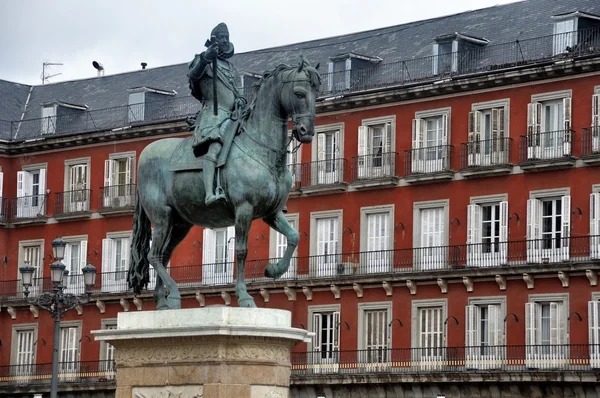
x,y
4,216
68,372
374,166
322,172
27,207
485,153
548,145
492,254
117,197
72,202
484,358
590,145
433,159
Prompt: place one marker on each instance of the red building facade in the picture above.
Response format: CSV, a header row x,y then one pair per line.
x,y
449,223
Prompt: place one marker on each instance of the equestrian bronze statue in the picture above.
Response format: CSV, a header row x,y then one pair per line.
x,y
250,154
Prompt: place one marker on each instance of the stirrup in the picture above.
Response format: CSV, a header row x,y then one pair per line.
x,y
212,198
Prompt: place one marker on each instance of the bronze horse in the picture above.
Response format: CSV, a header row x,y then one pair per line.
x,y
255,179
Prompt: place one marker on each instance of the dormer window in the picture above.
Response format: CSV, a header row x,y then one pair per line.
x,y
573,31
49,119
342,67
446,49
61,117
140,98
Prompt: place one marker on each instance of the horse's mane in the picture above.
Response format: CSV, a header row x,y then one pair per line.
x,y
304,65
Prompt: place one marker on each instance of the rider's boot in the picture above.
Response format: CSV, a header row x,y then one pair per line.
x,y
209,177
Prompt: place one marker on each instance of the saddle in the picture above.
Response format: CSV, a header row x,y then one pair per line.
x,y
184,158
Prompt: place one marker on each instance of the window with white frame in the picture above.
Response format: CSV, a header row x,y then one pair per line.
x,y
136,106
594,329
484,339
430,238
487,130
23,350
375,148
324,322
75,259
115,261
294,160
487,231
549,125
70,335
430,131
595,127
107,350
218,255
48,119
31,192
445,57
595,223
325,243
374,333
377,240
278,246
118,188
428,334
77,184
548,226
338,77
31,253
565,35
546,331
328,168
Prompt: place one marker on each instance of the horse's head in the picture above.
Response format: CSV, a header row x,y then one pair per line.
x,y
298,98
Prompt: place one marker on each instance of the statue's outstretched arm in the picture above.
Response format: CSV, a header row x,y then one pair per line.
x,y
197,66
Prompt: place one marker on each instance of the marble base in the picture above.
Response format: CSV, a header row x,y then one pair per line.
x,y
203,352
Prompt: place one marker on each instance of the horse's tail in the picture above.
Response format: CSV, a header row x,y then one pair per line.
x,y
139,266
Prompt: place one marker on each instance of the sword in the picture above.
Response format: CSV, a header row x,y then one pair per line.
x,y
214,68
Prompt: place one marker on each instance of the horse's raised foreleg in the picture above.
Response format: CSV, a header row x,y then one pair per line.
x,y
177,235
159,294
243,219
279,223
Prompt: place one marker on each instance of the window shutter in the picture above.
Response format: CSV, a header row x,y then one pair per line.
x,y
387,139
230,245
566,226
21,184
330,77
502,135
108,172
67,258
504,232
478,119
596,111
473,235
533,229
435,58
1,183
472,338
125,249
347,72
595,225
445,128
129,170
363,163
495,135
594,332
471,140
555,337
495,335
108,250
567,114
533,129
531,332
316,343
208,247
82,254
417,158
336,331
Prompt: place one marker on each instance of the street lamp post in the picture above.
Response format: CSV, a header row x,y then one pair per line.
x,y
57,303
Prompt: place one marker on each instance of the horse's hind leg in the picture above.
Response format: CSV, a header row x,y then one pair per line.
x,y
178,233
279,223
243,219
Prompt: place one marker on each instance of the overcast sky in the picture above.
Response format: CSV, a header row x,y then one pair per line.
x,y
122,33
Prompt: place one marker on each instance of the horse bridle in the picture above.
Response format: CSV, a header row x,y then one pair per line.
x,y
294,115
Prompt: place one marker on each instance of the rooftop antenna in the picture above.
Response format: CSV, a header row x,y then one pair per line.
x,y
44,76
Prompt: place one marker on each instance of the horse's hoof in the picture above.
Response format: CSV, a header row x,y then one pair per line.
x,y
271,271
247,303
173,303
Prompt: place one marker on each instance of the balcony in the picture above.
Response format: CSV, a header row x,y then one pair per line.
x,y
117,200
375,170
550,150
485,158
474,362
73,205
84,373
590,146
430,164
28,210
296,171
323,176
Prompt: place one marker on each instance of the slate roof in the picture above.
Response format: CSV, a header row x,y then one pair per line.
x,y
498,24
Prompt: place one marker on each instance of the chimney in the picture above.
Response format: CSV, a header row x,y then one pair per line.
x,y
144,65
98,67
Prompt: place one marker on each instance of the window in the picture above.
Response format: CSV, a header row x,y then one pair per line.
x,y
374,337
218,256
428,337
76,197
595,225
487,134
48,119
565,35
595,128
325,244
376,157
115,261
487,232
377,240
484,333
278,245
107,350
546,331
68,356
119,190
549,126
594,331
294,160
75,259
338,78
31,192
31,252
430,152
23,350
548,226
430,235
445,57
136,106
328,169
325,347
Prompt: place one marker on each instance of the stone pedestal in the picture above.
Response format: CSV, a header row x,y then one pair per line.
x,y
203,352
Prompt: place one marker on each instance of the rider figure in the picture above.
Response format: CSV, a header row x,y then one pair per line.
x,y
210,130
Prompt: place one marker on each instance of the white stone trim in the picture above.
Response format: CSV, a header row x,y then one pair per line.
x,y
324,129
376,305
596,89
552,95
31,242
434,113
76,162
499,103
119,234
13,341
595,296
382,120
429,204
364,212
549,193
418,304
314,216
484,199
